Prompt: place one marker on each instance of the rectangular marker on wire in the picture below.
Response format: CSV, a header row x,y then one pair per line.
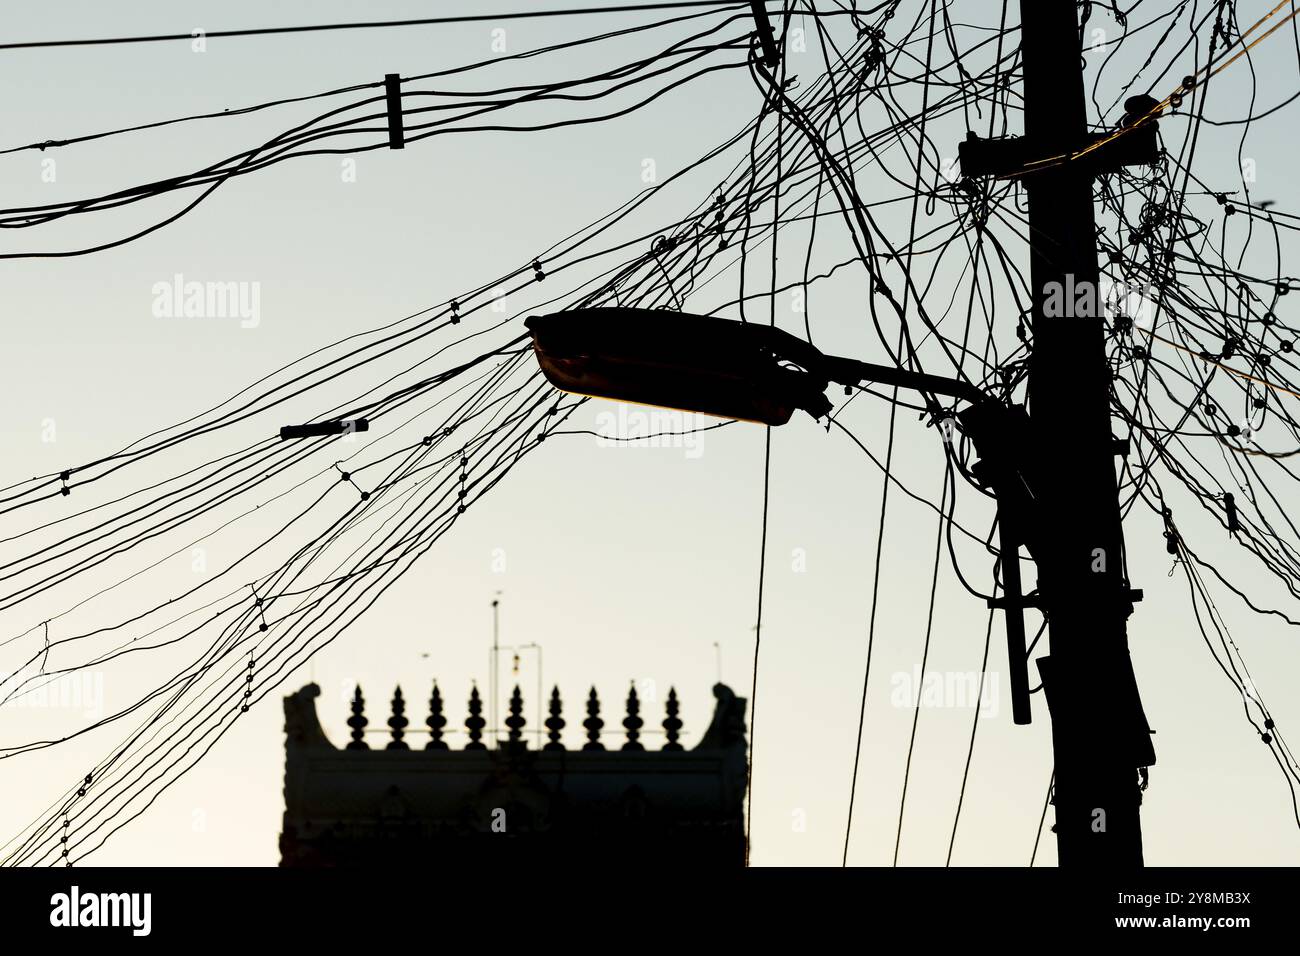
x,y
316,429
393,91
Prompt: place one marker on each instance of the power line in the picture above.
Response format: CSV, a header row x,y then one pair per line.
x,y
925,658
970,749
1038,834
373,24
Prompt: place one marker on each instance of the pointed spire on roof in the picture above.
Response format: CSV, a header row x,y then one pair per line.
x,y
436,721
358,722
554,723
593,723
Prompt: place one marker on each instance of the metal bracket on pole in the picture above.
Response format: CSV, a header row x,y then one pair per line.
x,y
1017,656
1132,596
1004,602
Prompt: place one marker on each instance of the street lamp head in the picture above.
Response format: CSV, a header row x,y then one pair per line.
x,y
694,363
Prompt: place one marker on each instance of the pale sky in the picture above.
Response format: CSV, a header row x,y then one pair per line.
x,y
624,563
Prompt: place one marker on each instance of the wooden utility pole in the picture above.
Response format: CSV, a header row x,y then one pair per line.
x,y
1100,735
1099,732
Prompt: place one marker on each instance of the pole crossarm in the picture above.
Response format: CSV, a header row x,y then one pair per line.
x,y
1011,157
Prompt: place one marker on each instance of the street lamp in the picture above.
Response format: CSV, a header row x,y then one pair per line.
x,y
759,373
696,363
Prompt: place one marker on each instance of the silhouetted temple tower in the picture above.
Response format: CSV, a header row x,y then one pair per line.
x,y
618,803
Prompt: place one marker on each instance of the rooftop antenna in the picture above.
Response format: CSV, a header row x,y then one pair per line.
x,y
492,671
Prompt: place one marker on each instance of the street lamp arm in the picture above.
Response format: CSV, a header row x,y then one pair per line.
x,y
847,371
852,372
